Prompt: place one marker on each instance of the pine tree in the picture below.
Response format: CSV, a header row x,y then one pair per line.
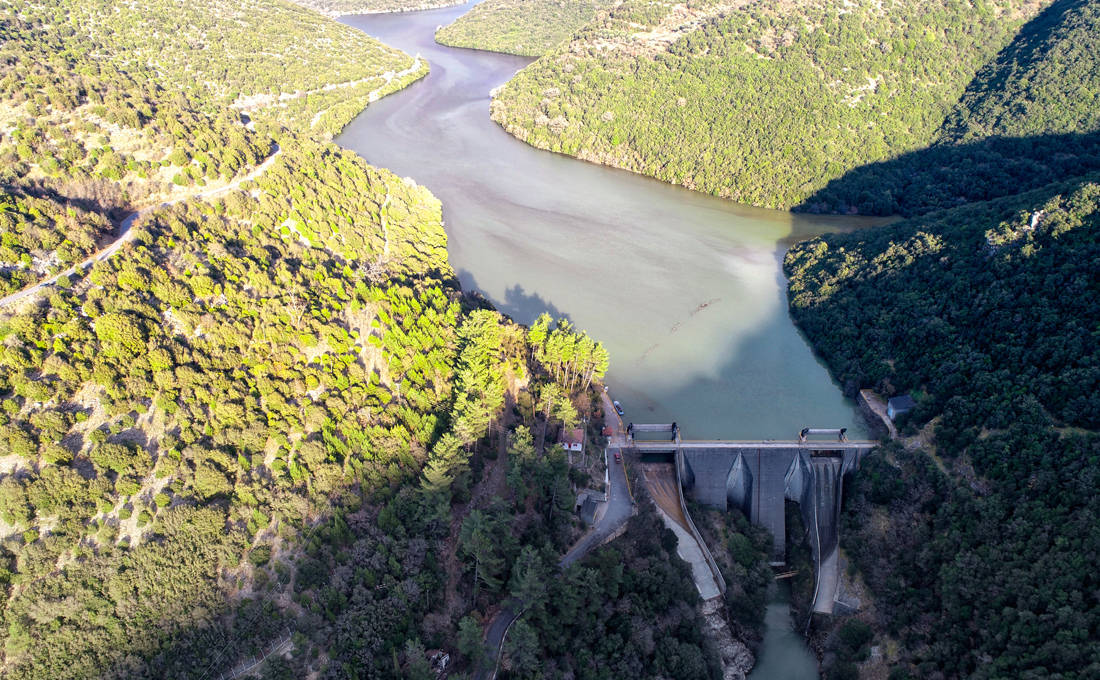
x,y
479,541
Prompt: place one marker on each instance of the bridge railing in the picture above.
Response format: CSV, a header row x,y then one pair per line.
x,y
652,427
763,444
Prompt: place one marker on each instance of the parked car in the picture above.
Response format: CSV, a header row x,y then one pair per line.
x,y
618,407
618,457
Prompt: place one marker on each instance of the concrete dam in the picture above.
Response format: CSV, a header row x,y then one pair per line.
x,y
758,477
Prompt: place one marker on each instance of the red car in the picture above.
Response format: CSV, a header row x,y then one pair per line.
x,y
618,457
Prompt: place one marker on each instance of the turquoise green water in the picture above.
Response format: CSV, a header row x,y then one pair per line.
x,y
783,655
685,290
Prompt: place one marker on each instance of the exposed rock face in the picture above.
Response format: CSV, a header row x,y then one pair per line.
x,y
737,660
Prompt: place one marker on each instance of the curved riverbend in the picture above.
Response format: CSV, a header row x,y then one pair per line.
x,y
685,290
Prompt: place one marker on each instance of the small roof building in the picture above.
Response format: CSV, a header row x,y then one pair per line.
x,y
572,440
899,405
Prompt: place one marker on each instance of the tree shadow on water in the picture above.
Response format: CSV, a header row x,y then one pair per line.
x,y
518,304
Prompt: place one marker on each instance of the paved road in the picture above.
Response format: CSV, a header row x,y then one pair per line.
x,y
859,444
620,506
126,234
620,503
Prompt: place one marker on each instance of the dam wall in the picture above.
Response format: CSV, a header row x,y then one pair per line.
x,y
758,479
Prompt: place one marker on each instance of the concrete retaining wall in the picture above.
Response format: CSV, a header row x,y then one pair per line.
x,y
718,578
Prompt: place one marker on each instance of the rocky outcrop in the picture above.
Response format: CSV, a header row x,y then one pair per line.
x,y
737,660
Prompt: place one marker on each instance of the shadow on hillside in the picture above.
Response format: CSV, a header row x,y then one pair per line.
x,y
1030,46
946,176
94,195
955,170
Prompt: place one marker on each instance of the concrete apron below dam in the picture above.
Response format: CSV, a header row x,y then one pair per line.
x,y
758,478
660,480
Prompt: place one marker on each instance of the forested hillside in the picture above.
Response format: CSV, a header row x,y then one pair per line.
x,y
1045,82
757,102
245,430
976,537
108,106
529,28
179,424
335,8
628,610
176,422
1029,117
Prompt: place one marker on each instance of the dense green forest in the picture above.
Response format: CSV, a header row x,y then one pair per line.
x,y
107,106
30,225
628,610
741,551
272,422
977,536
1043,83
1029,117
763,103
264,422
219,383
530,28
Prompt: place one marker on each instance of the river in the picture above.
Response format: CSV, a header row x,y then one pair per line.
x,y
685,290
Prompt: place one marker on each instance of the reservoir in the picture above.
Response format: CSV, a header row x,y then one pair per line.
x,y
686,291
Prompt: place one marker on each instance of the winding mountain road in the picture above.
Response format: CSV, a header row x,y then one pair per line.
x,y
126,232
620,507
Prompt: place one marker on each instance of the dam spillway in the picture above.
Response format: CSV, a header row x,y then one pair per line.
x,y
758,477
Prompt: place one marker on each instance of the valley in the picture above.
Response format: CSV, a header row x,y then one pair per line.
x,y
323,342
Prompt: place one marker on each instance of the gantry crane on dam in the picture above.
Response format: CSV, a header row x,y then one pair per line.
x,y
758,477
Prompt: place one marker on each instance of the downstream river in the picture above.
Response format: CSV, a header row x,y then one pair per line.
x,y
686,291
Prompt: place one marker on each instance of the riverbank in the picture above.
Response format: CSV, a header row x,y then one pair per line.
x,y
336,9
685,290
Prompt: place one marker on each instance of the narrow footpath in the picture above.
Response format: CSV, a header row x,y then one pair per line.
x,y
125,230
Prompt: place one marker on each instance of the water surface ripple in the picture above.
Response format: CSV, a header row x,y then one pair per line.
x,y
685,290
